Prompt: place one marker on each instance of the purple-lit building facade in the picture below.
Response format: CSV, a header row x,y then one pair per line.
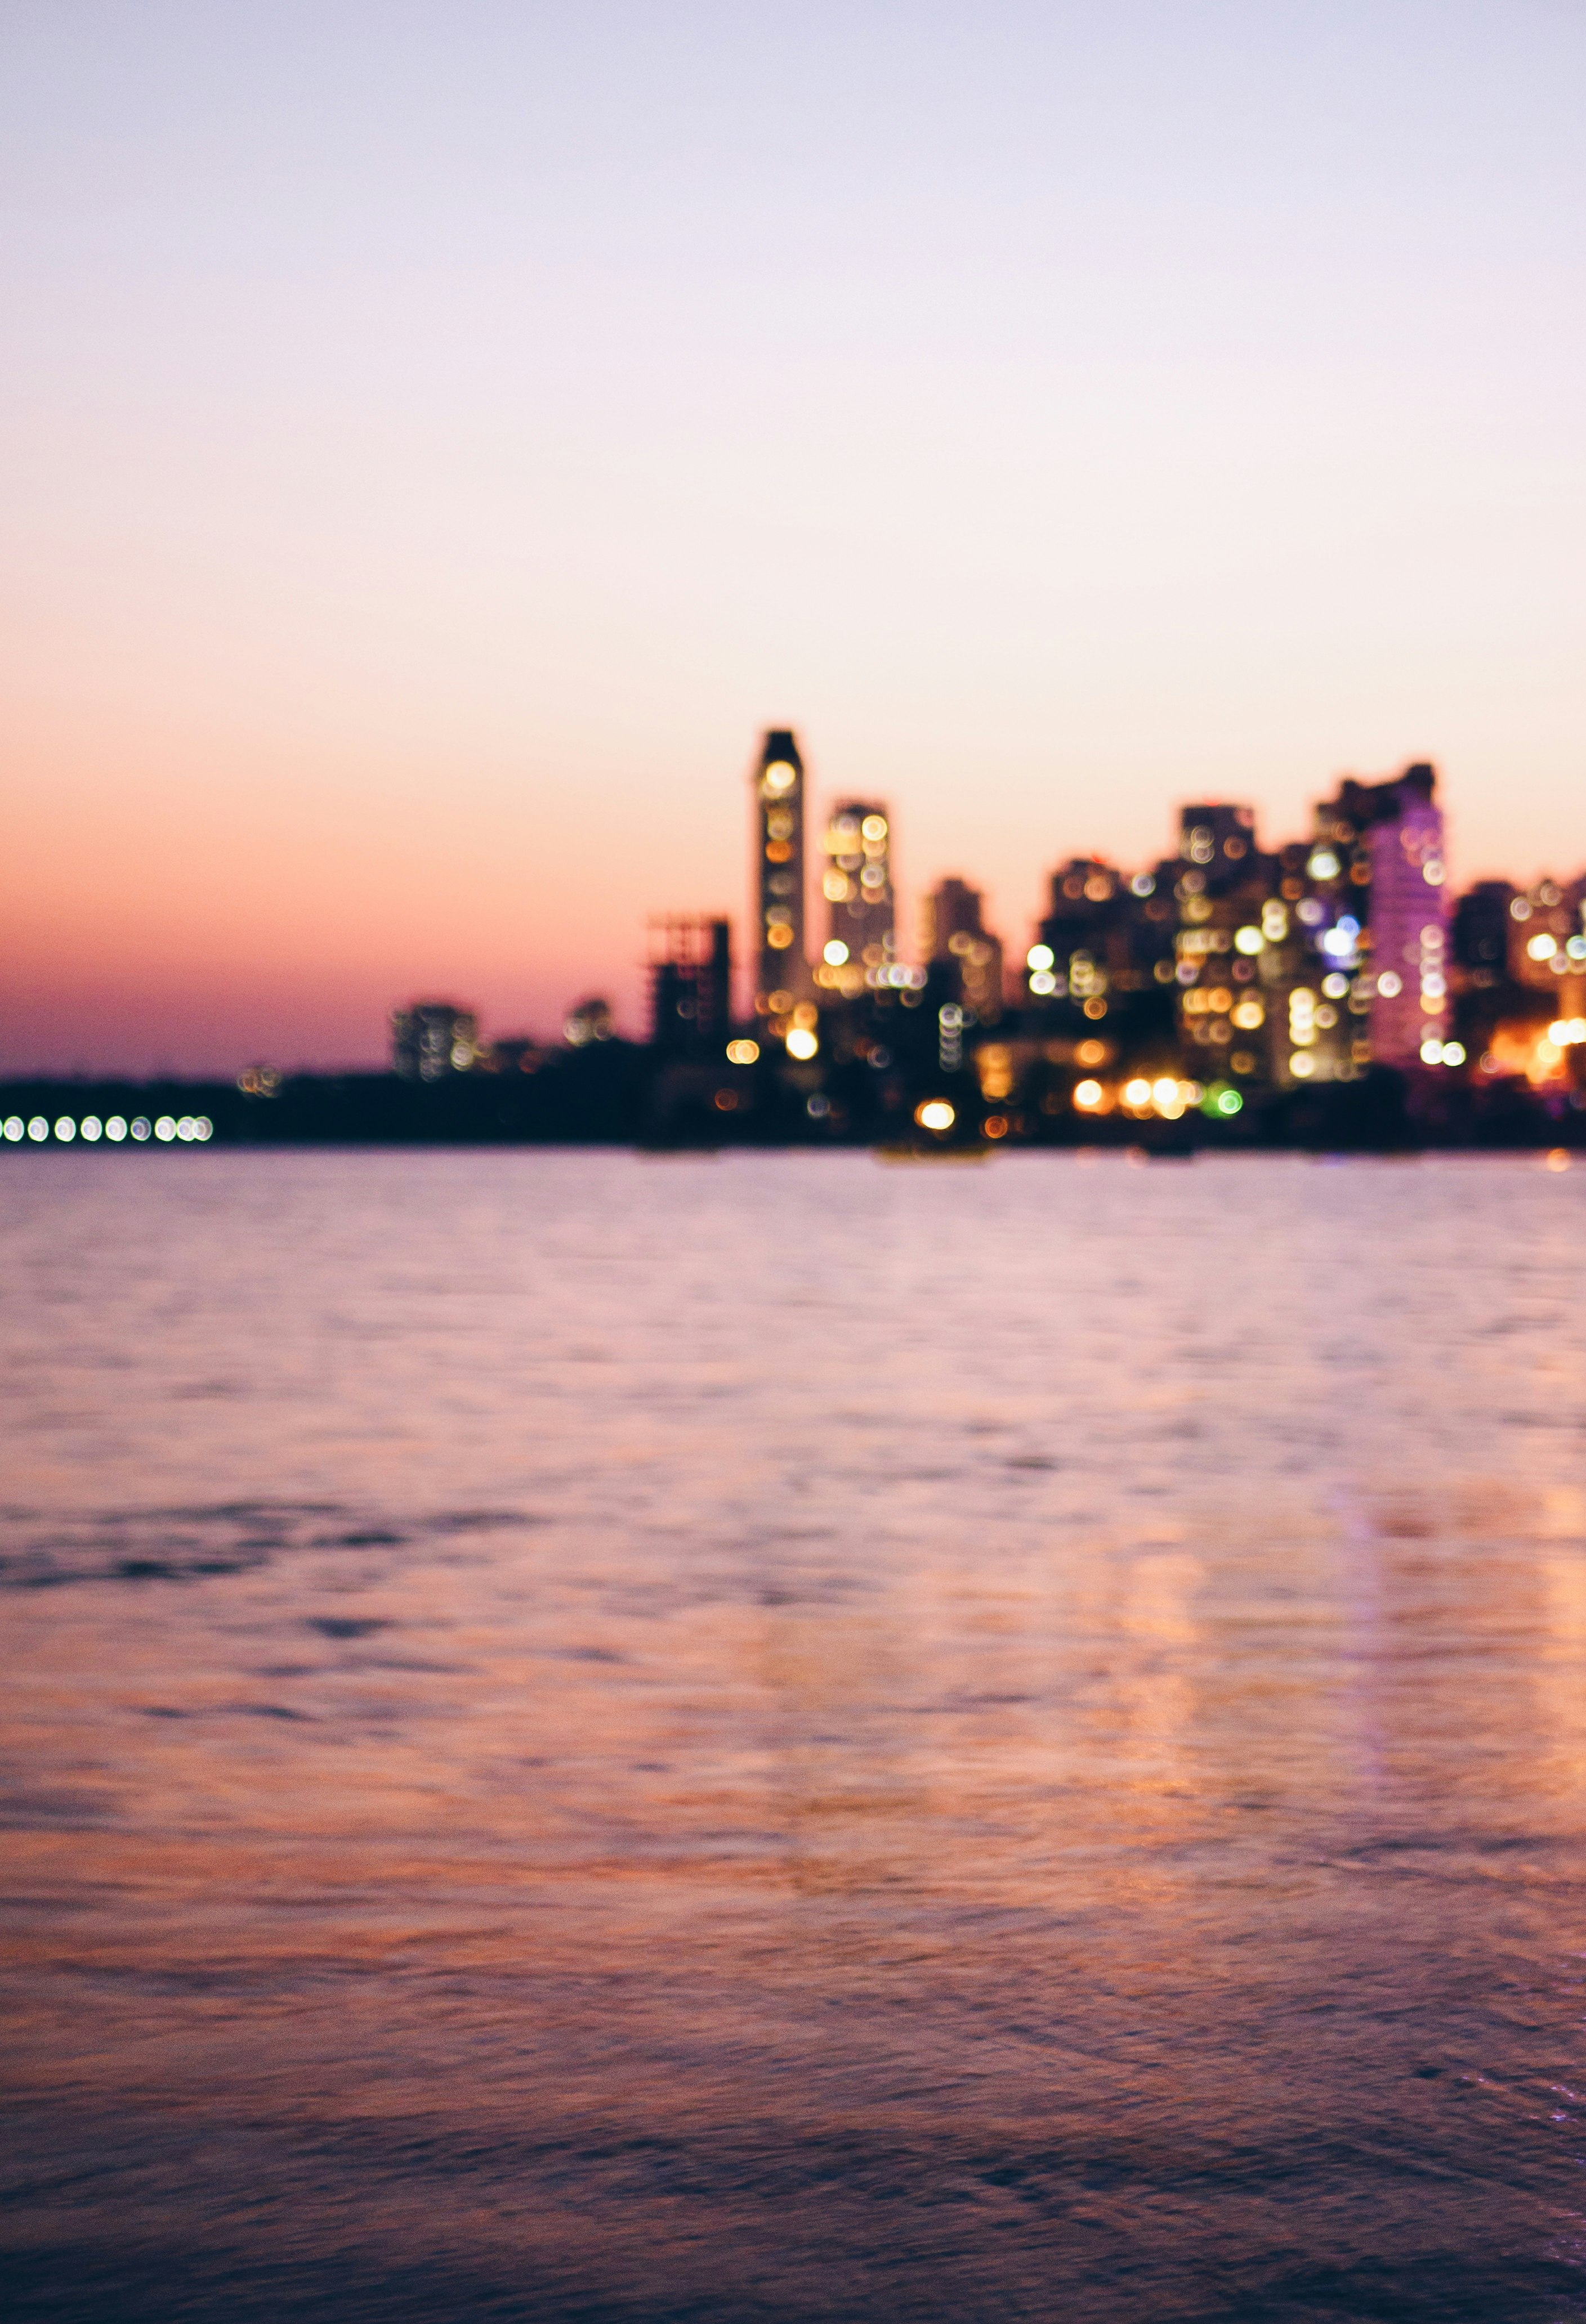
x,y
1395,829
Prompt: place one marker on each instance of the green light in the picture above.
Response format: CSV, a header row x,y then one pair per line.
x,y
1222,1099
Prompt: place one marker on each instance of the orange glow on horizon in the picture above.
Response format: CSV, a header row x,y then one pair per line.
x,y
425,484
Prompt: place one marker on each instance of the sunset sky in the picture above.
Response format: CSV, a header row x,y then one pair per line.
x,y
437,439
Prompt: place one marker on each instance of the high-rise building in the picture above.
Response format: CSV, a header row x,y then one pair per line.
x,y
713,985
1519,972
1545,941
1080,933
1382,844
1105,950
1528,1017
1299,938
1223,885
954,932
430,1040
1217,840
857,883
951,908
1483,926
782,975
690,984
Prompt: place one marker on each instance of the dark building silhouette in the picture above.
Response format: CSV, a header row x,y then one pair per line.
x,y
691,985
1480,932
1219,841
1104,939
512,1053
953,934
430,1040
589,1022
715,985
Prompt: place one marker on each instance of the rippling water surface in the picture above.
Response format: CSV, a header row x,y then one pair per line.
x,y
782,1738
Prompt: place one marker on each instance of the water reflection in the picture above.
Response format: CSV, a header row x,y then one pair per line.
x,y
795,1740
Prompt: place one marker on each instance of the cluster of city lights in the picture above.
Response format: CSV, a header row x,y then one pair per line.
x,y
1167,1097
858,871
938,1115
1563,1033
1434,994
777,785
167,1129
1040,961
1563,958
1310,1012
1268,986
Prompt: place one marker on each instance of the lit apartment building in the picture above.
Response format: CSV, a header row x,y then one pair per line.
x,y
856,881
1225,964
782,975
952,932
1376,868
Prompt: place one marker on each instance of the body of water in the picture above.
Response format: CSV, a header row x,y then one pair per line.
x,y
786,1739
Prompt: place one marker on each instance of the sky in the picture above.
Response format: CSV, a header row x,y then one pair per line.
x,y
436,441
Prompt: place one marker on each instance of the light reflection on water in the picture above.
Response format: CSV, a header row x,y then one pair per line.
x,y
777,1739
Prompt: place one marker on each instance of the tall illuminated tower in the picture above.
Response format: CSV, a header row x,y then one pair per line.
x,y
856,882
1387,840
781,974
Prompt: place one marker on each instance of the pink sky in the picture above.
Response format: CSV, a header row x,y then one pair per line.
x,y
436,449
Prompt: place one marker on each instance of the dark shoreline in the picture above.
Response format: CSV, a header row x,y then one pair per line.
x,y
621,1093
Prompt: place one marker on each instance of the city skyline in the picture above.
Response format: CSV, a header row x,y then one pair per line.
x,y
793,1094
404,544
1233,978
789,880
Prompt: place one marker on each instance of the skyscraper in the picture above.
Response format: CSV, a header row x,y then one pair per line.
x,y
690,984
1221,882
952,931
1544,939
1106,951
781,971
857,883
1393,832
